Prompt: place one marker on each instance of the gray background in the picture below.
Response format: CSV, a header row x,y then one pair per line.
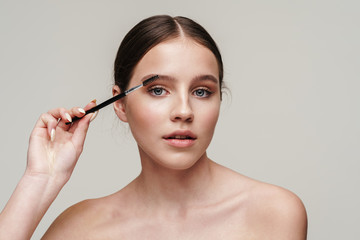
x,y
292,118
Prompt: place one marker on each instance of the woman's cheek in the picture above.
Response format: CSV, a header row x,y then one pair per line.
x,y
209,114
146,115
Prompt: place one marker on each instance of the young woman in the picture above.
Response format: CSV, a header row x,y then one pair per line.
x,y
180,193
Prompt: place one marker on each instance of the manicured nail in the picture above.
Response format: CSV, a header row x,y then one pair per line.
x,y
68,117
52,136
94,116
81,110
94,101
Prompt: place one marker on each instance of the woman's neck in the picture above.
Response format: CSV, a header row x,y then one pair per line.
x,y
175,189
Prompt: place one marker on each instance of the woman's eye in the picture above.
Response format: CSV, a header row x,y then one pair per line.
x,y
202,93
157,91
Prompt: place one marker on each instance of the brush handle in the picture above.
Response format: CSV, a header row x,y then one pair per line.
x,y
100,106
117,97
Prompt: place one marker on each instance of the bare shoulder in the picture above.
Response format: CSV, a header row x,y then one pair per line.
x,y
85,219
277,212
73,221
101,218
269,211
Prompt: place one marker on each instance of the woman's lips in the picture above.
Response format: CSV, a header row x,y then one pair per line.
x,y
180,138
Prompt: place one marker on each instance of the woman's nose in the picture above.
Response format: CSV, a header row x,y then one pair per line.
x,y
182,110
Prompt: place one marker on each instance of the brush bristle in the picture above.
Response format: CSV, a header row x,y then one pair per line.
x,y
150,80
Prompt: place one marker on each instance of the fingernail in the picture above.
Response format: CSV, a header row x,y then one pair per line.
x,y
94,116
81,110
94,101
68,117
52,136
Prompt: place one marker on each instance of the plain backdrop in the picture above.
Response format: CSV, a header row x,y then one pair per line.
x,y
292,118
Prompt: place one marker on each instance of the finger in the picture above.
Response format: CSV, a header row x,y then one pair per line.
x,y
94,115
77,112
62,115
90,105
80,128
48,122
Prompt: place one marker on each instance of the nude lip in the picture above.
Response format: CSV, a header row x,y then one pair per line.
x,y
187,138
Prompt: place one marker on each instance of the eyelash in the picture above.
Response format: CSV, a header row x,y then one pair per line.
x,y
153,88
206,90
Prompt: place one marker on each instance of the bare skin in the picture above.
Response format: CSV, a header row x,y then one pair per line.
x,y
54,149
244,209
180,193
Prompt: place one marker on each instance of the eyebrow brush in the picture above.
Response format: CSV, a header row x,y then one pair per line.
x,y
117,97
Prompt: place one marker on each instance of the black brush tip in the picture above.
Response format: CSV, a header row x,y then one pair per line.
x,y
150,80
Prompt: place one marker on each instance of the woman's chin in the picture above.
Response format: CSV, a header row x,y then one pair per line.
x,y
180,162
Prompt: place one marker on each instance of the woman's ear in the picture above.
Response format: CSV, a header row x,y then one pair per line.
x,y
119,105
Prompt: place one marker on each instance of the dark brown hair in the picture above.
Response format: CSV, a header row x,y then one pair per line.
x,y
152,31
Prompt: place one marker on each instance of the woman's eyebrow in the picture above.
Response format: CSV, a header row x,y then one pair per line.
x,y
199,78
160,77
206,77
167,78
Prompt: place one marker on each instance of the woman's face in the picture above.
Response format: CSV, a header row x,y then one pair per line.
x,y
173,119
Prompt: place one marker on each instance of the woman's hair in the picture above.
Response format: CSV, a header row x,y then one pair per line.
x,y
152,31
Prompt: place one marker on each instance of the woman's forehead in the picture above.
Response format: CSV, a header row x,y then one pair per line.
x,y
170,57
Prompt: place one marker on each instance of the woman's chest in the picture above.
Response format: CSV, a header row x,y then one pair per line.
x,y
195,225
